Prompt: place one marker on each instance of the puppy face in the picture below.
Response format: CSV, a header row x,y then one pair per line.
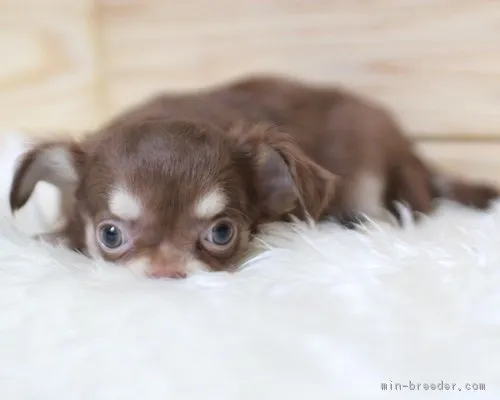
x,y
174,197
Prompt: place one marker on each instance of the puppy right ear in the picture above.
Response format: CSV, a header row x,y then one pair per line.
x,y
58,163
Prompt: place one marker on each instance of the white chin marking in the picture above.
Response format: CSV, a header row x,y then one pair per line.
x,y
193,265
124,204
210,204
139,266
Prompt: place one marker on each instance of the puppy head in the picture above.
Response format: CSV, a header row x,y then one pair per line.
x,y
174,196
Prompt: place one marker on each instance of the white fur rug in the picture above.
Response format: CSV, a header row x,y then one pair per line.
x,y
322,314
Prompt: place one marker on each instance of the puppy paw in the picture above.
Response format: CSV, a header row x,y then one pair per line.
x,y
352,221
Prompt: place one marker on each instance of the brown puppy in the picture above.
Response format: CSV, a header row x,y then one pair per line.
x,y
182,181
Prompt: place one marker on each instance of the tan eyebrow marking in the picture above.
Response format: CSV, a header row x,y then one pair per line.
x,y
210,204
124,204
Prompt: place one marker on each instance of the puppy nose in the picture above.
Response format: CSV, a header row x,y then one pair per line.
x,y
163,271
167,262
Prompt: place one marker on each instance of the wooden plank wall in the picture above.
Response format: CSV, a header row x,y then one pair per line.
x,y
70,64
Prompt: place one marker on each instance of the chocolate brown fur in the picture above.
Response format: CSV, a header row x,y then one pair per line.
x,y
272,146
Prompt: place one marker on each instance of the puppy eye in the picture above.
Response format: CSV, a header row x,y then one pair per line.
x,y
220,235
111,236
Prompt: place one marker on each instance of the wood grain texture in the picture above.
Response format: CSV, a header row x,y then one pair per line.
x,y
435,63
70,64
47,76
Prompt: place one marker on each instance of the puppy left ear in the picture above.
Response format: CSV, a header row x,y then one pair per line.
x,y
58,163
288,180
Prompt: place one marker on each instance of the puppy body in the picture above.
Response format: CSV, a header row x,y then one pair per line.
x,y
349,136
172,174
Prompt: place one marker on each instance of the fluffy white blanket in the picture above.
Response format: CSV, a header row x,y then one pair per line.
x,y
323,313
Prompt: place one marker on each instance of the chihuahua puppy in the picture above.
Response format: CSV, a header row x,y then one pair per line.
x,y
183,181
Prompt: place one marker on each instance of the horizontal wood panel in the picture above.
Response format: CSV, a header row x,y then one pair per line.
x,y
434,63
34,6
473,160
47,76
70,64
